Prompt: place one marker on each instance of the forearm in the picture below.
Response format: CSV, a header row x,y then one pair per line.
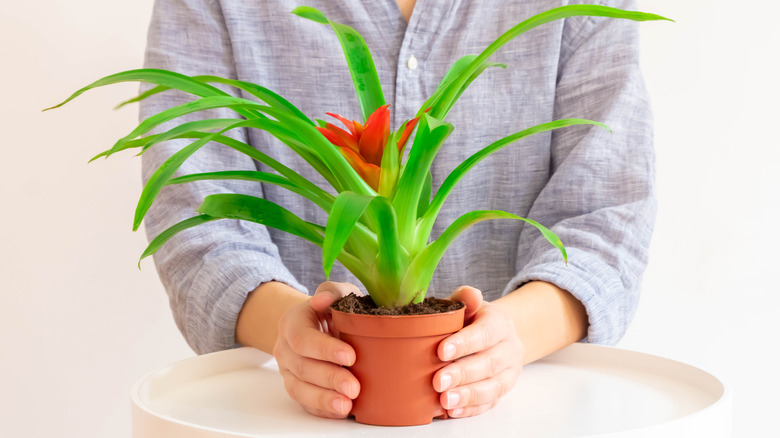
x,y
257,324
546,317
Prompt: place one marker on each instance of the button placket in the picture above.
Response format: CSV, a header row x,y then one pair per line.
x,y
408,96
406,87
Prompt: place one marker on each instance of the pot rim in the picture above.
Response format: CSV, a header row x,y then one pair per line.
x,y
399,326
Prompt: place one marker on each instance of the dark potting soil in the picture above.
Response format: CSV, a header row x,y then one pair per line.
x,y
365,305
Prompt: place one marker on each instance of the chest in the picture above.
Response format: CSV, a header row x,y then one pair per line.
x,y
303,62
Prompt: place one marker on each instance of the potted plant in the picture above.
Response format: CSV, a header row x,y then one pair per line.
x,y
381,216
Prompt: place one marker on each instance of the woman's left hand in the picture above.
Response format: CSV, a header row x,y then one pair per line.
x,y
487,355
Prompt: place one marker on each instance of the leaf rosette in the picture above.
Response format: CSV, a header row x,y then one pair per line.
x,y
380,221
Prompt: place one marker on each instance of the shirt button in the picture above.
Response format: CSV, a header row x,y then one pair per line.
x,y
411,63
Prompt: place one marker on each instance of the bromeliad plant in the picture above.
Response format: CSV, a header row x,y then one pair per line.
x,y
380,221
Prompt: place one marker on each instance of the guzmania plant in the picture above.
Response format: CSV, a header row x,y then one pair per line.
x,y
380,220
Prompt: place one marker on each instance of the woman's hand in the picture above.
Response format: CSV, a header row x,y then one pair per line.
x,y
310,358
487,355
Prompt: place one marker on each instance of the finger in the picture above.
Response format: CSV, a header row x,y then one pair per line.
x,y
479,366
471,297
488,329
479,393
323,414
323,374
470,411
314,344
330,291
315,399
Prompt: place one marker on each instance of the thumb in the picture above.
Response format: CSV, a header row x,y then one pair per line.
x,y
471,297
328,292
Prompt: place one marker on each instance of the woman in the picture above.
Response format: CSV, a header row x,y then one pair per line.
x,y
237,283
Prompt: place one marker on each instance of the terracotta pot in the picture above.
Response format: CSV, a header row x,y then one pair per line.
x,y
395,364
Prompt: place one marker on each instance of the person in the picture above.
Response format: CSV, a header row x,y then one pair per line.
x,y
235,283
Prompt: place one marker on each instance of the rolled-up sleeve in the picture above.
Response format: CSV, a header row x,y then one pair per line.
x,y
600,196
208,270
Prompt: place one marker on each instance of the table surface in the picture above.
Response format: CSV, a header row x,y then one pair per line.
x,y
581,391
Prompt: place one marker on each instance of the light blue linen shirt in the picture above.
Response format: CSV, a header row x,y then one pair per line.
x,y
593,189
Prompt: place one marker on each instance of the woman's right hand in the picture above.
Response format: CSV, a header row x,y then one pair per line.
x,y
311,358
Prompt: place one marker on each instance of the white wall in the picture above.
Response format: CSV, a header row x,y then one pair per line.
x,y
79,323
710,297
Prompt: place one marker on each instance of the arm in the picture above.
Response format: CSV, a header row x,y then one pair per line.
x,y
225,279
499,338
600,202
258,321
207,270
276,318
545,317
600,198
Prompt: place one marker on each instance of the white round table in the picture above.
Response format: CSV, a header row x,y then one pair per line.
x,y
581,391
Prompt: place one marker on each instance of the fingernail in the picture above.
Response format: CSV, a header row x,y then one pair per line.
x,y
446,381
338,405
456,412
349,390
452,399
449,351
342,357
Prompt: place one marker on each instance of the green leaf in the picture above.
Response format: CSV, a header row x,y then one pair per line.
x,y
456,86
149,141
262,93
163,173
281,168
392,259
154,76
160,177
348,208
388,257
166,235
264,212
425,195
261,211
262,177
431,134
426,224
163,78
145,95
452,74
338,168
271,98
311,14
176,132
390,166
420,272
359,60
197,125
324,199
201,104
239,175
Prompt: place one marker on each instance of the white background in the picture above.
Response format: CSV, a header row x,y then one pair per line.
x,y
79,323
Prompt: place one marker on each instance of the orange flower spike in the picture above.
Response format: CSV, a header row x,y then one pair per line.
x,y
407,132
332,137
367,171
346,139
348,123
359,129
372,142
